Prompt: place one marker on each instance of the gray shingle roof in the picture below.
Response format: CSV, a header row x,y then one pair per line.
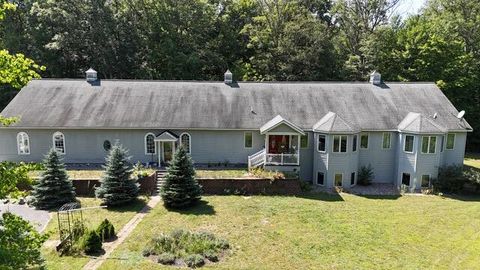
x,y
51,103
417,123
331,122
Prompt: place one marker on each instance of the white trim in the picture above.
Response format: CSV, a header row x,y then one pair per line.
x,y
334,180
64,143
405,144
282,121
154,144
317,144
23,134
171,139
368,140
389,140
189,141
316,179
446,141
244,137
428,145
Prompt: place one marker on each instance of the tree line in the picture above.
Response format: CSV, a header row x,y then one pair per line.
x,y
259,40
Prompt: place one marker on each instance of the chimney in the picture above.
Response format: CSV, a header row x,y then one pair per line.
x,y
375,78
228,77
91,75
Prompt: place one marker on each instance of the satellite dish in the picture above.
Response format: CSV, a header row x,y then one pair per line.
x,y
461,114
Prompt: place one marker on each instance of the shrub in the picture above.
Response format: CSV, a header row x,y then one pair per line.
x,y
91,243
106,230
450,179
194,260
166,258
180,189
365,175
15,178
186,245
20,243
472,176
53,189
117,187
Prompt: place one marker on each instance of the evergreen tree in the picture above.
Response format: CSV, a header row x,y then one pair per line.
x,y
117,186
180,189
53,189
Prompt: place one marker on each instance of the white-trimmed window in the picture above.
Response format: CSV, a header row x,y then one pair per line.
x,y
387,140
450,141
320,178
23,143
338,179
364,141
354,143
321,145
248,139
429,144
353,179
340,143
408,145
185,141
150,144
425,180
59,142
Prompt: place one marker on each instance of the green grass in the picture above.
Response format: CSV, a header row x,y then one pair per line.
x,y
118,216
230,173
322,232
472,160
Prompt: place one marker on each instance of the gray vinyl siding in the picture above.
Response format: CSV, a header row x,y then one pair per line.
x,y
86,146
283,128
320,160
306,157
381,160
407,162
427,164
457,154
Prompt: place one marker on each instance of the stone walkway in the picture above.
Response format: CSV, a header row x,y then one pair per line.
x,y
109,247
38,218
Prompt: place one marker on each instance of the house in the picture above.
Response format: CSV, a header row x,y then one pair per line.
x,y
325,131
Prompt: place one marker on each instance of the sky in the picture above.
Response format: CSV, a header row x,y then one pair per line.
x,y
409,7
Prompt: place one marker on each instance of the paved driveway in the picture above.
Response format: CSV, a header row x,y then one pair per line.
x,y
38,218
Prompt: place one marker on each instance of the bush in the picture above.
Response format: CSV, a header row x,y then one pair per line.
x,y
20,243
166,258
365,175
91,243
106,230
188,246
15,178
181,189
117,187
472,176
194,260
450,179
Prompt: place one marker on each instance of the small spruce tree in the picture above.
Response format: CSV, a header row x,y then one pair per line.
x,y
180,189
53,189
117,186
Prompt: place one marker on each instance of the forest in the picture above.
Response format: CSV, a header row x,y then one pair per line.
x,y
258,40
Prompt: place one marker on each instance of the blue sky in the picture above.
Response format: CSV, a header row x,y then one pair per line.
x,y
409,7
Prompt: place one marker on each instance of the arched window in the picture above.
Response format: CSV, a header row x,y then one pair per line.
x,y
150,144
59,142
23,144
185,141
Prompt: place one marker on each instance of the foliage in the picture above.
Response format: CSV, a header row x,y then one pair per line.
x,y
15,176
54,188
450,179
20,243
191,247
106,230
180,189
365,175
140,171
117,186
472,176
262,173
166,258
91,243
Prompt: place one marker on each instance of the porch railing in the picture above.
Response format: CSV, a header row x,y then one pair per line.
x,y
257,159
282,159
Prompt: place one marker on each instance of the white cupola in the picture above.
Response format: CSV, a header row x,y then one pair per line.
x,y
375,78
228,77
91,75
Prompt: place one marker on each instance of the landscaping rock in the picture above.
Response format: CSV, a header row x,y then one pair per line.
x,y
21,201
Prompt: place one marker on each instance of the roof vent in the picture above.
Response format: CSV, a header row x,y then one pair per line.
x,y
228,77
91,75
375,78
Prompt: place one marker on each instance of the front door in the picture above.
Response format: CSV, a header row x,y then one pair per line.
x,y
167,151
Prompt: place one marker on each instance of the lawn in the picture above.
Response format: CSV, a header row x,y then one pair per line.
x,y
118,216
472,159
323,232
